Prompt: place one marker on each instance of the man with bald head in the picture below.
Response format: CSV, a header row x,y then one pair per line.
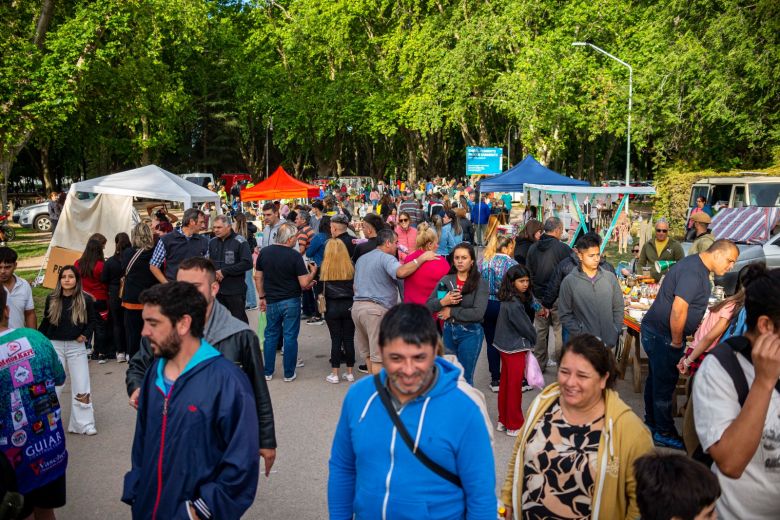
x,y
676,313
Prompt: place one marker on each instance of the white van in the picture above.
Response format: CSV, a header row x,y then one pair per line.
x,y
744,189
201,179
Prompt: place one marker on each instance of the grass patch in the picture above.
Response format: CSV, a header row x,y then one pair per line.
x,y
29,249
39,293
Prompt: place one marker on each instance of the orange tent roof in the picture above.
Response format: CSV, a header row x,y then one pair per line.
x,y
280,185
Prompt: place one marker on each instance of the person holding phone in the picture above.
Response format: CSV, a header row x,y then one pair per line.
x,y
462,308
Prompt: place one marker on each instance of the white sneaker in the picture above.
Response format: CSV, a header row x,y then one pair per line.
x,y
348,377
527,388
102,361
121,358
551,363
299,363
90,431
500,427
290,379
513,433
332,378
268,378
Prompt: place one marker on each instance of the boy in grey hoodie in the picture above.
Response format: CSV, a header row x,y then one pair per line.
x,y
590,300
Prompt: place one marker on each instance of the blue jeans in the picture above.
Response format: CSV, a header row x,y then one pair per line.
x,y
465,341
661,381
251,292
283,319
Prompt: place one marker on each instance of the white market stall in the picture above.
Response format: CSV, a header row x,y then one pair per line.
x,y
540,191
105,205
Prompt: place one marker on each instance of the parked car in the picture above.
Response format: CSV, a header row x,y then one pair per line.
x,y
35,216
201,179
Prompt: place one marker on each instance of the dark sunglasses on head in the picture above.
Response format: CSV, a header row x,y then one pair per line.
x,y
661,230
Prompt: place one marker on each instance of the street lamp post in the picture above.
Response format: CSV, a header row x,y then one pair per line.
x,y
630,92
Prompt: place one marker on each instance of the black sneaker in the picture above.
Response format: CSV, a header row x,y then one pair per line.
x,y
494,385
363,369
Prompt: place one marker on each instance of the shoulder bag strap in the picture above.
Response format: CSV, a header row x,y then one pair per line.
x,y
399,425
132,260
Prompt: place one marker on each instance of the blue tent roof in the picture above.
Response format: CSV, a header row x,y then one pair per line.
x,y
529,170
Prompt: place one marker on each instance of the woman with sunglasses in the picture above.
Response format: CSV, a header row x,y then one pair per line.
x,y
633,265
661,247
407,235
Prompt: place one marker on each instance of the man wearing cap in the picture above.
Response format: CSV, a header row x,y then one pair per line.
x,y
338,229
704,237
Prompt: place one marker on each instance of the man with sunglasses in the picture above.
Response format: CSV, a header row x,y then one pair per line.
x,y
662,247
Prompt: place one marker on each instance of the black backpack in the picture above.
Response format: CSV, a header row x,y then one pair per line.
x,y
726,354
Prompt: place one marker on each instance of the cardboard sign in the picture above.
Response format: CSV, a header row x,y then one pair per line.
x,y
58,257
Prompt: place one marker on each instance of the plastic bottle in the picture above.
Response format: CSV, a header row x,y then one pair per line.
x,y
441,290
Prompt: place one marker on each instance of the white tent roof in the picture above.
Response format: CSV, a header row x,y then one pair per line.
x,y
151,182
592,190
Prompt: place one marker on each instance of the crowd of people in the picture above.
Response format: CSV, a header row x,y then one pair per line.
x,y
409,296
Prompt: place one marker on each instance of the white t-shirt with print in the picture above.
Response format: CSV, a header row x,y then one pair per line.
x,y
756,494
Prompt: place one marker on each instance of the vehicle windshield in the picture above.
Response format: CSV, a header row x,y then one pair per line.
x,y
765,194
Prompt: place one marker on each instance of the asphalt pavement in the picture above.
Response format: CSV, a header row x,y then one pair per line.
x,y
306,413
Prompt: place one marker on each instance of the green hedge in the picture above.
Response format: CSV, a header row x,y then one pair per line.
x,y
673,191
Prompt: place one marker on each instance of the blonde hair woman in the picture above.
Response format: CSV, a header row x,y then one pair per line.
x,y
68,321
135,268
336,276
419,285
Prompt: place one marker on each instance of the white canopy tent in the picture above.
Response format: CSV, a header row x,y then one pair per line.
x,y
538,192
151,182
111,211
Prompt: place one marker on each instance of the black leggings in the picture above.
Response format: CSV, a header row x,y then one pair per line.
x,y
101,344
134,324
116,320
342,332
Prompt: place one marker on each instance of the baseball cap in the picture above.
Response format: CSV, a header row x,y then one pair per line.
x,y
701,217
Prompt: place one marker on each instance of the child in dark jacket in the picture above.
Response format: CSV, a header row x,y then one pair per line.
x,y
515,337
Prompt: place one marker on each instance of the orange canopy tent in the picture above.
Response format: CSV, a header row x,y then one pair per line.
x,y
280,185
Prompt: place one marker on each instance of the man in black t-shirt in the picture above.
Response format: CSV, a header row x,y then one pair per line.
x,y
279,277
676,313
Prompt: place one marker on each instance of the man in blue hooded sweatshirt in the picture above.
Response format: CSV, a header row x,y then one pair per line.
x,y
196,442
373,472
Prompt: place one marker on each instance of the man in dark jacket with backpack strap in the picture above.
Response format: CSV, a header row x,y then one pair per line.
x,y
543,257
232,338
195,445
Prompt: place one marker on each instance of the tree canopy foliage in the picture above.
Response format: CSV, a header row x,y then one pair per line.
x,y
384,87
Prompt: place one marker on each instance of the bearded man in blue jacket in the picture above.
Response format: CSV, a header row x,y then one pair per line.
x,y
196,442
373,472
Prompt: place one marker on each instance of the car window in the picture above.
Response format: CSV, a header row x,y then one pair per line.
x,y
696,192
739,196
721,195
765,194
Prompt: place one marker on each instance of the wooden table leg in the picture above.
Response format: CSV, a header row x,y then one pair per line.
x,y
625,353
637,364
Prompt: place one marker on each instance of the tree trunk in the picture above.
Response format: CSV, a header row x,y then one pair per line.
x,y
47,10
48,180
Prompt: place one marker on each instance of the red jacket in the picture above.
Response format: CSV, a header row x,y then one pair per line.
x,y
92,284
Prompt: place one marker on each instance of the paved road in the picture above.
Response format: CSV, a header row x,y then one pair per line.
x,y
306,415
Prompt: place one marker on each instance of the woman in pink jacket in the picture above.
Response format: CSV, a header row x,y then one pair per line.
x,y
407,236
